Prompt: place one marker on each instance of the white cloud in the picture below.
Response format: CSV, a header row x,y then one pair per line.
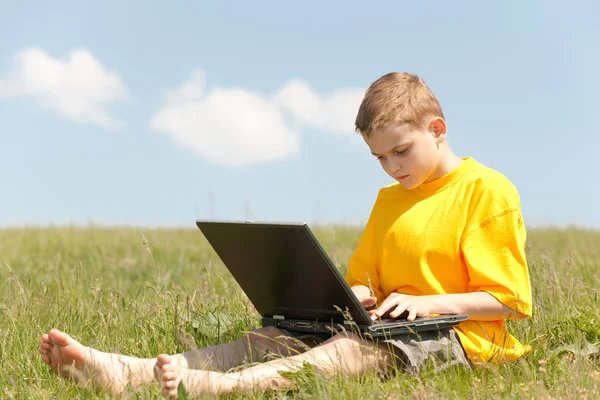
x,y
79,88
334,112
236,127
231,127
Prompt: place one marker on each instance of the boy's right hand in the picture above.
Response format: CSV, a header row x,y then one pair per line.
x,y
364,296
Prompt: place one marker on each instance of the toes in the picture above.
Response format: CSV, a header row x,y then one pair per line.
x,y
170,393
169,384
167,368
45,350
165,372
59,338
46,360
169,376
169,389
45,345
163,359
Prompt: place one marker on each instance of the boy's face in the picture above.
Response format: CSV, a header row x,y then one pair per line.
x,y
409,154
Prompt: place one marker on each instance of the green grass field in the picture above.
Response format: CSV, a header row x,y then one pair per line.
x,y
115,291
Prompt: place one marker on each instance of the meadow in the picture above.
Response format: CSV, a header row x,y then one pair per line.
x,y
146,291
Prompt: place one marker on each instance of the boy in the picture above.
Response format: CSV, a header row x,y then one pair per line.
x,y
447,238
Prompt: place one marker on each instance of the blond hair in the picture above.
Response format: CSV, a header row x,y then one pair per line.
x,y
396,97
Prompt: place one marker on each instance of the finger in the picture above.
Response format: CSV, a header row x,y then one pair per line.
x,y
386,306
368,301
398,310
391,313
380,311
412,314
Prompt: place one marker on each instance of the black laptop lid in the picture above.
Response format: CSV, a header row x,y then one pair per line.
x,y
283,270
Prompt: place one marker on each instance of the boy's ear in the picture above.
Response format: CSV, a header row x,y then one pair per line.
x,y
438,127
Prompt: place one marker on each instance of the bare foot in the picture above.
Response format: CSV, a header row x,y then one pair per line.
x,y
88,367
167,376
196,382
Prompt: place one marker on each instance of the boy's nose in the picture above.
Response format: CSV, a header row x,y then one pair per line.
x,y
394,167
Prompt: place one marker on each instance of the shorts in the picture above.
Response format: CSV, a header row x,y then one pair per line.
x,y
440,348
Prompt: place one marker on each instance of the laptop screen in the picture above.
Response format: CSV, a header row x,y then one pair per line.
x,y
283,270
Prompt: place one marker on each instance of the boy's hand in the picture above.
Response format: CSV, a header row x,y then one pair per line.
x,y
396,303
364,296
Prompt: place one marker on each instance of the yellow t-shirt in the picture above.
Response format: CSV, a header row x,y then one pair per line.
x,y
462,232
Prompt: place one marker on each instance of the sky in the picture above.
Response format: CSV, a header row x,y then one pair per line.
x,y
145,113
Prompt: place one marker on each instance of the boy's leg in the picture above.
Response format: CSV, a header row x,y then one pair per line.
x,y
345,354
89,367
257,346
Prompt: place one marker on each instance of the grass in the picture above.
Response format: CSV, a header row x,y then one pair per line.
x,y
144,292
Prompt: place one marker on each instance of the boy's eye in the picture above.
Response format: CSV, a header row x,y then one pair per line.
x,y
402,151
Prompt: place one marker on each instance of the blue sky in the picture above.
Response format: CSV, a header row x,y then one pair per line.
x,y
155,114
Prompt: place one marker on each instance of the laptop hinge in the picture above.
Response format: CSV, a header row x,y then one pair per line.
x,y
278,317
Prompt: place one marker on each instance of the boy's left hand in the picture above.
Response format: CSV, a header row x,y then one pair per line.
x,y
416,306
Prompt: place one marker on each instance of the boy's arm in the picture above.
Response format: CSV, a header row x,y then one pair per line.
x,y
480,306
494,255
498,280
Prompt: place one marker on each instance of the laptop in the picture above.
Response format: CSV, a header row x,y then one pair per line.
x,y
294,285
